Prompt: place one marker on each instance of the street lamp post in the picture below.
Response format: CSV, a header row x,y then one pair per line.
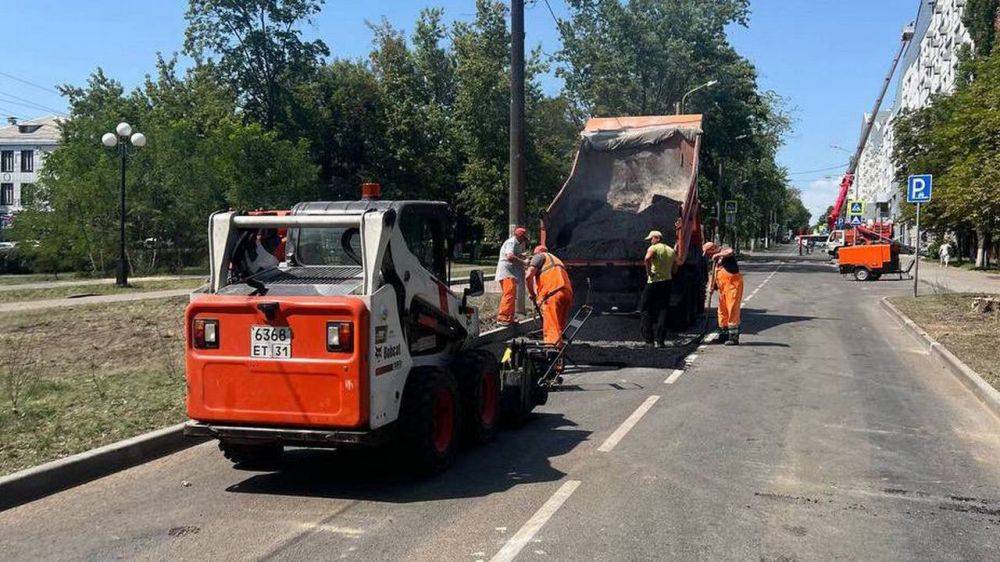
x,y
127,143
679,106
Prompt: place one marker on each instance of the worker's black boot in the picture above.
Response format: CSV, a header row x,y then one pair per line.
x,y
734,336
723,335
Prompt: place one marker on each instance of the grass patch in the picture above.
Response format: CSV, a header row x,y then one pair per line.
x,y
61,292
950,320
78,378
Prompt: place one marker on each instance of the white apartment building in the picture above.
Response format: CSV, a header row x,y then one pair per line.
x,y
23,148
929,67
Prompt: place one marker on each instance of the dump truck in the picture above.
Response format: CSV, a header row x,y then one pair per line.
x,y
333,325
631,175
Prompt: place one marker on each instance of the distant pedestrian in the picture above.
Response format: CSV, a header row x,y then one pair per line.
x,y
729,283
944,252
656,295
510,274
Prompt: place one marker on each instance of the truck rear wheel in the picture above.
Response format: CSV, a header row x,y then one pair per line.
x,y
253,457
862,274
429,419
481,396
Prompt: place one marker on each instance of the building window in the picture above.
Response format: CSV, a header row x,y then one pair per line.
x,y
7,161
6,194
27,160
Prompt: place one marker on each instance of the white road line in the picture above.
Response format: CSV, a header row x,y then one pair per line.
x,y
690,358
537,521
627,425
674,376
761,286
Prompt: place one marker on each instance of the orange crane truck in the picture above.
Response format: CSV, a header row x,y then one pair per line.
x,y
343,333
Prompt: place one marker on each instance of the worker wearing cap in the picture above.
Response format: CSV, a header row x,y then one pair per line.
x,y
550,288
510,274
656,295
729,283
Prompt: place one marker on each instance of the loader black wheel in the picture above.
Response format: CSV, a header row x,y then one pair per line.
x,y
252,457
862,274
429,420
481,396
518,395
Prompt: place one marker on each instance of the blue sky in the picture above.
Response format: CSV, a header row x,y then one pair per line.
x,y
826,58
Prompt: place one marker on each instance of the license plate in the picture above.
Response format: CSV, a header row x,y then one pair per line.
x,y
271,342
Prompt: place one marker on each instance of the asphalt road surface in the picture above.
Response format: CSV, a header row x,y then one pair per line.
x,y
829,434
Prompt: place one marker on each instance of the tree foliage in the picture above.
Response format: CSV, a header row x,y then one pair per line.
x,y
200,158
640,57
980,19
957,139
259,46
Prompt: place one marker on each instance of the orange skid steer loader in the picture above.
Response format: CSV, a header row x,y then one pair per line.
x,y
350,336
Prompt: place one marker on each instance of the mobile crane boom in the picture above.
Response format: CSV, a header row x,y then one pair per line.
x,y
848,179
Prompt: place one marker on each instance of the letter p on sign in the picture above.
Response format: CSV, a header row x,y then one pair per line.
x,y
919,188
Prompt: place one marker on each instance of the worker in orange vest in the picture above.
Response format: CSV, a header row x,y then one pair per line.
x,y
550,288
510,274
729,283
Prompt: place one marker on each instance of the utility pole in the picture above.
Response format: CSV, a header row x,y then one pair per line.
x,y
517,178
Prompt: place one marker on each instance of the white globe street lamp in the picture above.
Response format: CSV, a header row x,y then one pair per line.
x,y
127,143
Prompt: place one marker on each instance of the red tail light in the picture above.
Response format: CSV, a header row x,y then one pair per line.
x,y
205,333
340,336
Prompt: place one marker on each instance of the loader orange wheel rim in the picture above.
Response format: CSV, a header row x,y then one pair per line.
x,y
444,419
488,407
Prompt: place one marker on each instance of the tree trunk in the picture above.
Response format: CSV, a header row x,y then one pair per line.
x,y
980,247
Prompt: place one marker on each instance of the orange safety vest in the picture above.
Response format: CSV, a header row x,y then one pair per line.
x,y
552,278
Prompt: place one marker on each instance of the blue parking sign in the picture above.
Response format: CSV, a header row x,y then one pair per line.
x,y
919,188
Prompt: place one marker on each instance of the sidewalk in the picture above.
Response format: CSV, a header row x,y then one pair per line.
x,y
955,280
85,282
27,306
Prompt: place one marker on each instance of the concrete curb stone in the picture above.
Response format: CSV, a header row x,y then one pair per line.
x,y
989,396
40,481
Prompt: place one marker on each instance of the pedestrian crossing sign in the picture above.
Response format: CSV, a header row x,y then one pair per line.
x,y
856,208
856,221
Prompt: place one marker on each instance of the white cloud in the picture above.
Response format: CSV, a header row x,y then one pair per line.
x,y
820,194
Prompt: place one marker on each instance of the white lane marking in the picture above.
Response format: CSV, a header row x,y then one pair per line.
x,y
537,521
674,376
711,337
690,358
627,425
761,286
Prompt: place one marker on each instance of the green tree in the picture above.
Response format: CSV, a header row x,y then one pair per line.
x,y
980,18
200,158
639,57
259,46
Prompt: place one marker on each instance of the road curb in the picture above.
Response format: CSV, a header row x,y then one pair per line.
x,y
49,478
989,396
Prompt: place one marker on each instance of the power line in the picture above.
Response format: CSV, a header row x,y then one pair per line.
x,y
552,13
27,101
29,82
837,167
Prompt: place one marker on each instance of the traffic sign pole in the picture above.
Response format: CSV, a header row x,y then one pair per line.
x,y
916,265
919,190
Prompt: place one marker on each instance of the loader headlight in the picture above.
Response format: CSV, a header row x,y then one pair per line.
x,y
339,336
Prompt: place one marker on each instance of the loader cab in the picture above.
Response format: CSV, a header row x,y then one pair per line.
x,y
425,229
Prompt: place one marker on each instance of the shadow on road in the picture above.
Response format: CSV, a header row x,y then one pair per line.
x,y
516,457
